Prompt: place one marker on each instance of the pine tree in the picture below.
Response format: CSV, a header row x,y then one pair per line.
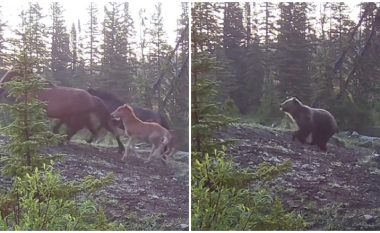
x,y
293,56
80,49
143,33
29,130
32,34
178,107
116,48
158,50
128,41
74,48
183,23
158,43
205,116
60,46
110,30
233,29
92,36
3,57
205,25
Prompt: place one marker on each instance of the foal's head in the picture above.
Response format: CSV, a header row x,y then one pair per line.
x,y
124,112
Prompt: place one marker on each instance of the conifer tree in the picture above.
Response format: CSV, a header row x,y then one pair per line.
x,y
293,52
3,47
29,130
60,46
32,34
74,48
91,49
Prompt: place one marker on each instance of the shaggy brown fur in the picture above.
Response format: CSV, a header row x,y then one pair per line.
x,y
316,123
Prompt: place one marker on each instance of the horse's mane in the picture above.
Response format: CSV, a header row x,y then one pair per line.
x,y
105,96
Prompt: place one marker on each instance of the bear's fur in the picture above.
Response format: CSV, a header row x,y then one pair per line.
x,y
315,126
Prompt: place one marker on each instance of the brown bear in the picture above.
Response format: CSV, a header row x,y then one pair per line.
x,y
315,126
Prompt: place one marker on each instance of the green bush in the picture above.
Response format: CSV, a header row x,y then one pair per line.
x,y
42,200
223,197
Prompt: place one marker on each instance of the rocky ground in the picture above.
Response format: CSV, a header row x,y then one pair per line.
x,y
143,196
334,190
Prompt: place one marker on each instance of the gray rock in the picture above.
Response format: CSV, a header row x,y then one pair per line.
x,y
355,134
368,218
184,227
376,158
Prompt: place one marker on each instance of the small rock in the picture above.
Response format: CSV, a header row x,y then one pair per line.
x,y
184,227
368,218
376,158
355,134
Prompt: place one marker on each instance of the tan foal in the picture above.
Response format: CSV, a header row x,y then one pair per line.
x,y
149,132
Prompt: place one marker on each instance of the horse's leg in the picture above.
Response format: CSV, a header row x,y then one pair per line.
x,y
74,124
152,152
91,128
71,130
111,128
57,126
168,153
120,144
126,149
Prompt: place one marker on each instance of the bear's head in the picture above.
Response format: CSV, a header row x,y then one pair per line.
x,y
290,105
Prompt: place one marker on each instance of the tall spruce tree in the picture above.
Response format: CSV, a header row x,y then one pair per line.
x,y
32,34
293,54
74,48
92,34
60,46
80,49
3,57
159,48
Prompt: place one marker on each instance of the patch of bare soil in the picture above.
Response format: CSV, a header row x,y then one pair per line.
x,y
143,196
334,190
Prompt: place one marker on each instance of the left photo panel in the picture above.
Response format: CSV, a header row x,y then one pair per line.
x,y
94,119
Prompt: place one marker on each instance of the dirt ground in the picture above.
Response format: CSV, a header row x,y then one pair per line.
x,y
143,196
334,190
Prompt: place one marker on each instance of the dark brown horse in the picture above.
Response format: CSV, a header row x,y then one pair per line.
x,y
146,115
73,106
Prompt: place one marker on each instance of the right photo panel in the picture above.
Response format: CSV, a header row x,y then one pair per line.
x,y
285,116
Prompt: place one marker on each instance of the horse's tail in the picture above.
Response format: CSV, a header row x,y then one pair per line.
x,y
100,110
166,138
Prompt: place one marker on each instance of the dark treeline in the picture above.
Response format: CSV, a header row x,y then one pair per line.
x,y
265,52
106,53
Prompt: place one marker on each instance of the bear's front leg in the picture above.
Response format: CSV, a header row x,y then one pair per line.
x,y
301,136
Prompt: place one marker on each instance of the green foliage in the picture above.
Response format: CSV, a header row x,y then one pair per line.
x,y
211,118
359,114
223,197
29,131
207,115
42,200
230,108
269,110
